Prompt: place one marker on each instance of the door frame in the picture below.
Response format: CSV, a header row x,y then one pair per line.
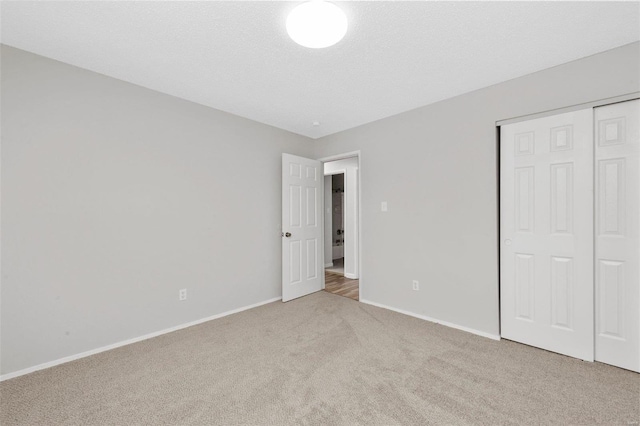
x,y
345,156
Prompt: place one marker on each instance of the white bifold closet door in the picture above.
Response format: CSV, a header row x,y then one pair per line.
x,y
617,167
546,230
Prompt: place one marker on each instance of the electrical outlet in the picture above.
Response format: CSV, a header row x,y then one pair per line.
x,y
182,294
416,285
383,206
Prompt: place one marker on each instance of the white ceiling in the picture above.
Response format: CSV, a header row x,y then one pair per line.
x,y
396,56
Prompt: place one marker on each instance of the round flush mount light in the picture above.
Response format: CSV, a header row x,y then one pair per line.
x,y
316,24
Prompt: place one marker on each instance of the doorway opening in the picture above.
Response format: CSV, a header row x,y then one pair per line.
x,y
341,227
336,218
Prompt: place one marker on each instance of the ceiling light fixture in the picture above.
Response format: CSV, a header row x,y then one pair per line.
x,y
317,24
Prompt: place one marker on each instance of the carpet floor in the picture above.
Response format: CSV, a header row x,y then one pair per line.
x,y
322,360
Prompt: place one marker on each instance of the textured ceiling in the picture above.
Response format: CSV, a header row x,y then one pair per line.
x,y
396,56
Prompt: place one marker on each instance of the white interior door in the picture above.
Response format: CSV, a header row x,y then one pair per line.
x,y
546,228
302,249
618,234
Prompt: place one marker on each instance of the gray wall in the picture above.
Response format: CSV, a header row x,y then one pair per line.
x,y
114,197
436,167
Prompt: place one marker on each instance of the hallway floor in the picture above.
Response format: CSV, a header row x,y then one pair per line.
x,y
336,283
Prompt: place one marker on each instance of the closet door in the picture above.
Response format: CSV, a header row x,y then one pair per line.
x,y
546,230
617,166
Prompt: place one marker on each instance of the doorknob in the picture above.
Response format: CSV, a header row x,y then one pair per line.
x,y
288,234
507,242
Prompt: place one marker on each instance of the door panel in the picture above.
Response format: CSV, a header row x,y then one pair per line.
x,y
562,292
617,156
302,186
546,256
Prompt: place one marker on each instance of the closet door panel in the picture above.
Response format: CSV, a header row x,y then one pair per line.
x,y
546,226
617,166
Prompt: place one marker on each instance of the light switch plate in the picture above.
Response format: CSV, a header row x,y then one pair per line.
x,y
383,206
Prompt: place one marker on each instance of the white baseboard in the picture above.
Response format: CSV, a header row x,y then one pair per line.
x,y
437,321
328,265
350,276
129,341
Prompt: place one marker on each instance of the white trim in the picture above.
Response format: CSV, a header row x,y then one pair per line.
x,y
360,285
322,259
129,341
328,265
571,108
437,321
341,157
351,276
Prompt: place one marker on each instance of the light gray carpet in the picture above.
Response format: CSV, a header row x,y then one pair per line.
x,y
322,360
